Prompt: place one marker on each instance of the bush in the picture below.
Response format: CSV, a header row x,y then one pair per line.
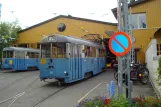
x,y
159,68
104,102
96,102
147,102
121,102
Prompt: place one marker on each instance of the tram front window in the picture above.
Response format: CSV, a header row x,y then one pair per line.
x,y
58,50
45,50
7,54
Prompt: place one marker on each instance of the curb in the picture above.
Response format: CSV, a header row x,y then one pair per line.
x,y
155,88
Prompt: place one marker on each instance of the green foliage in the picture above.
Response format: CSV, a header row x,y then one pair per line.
x,y
158,80
8,30
96,102
147,102
119,102
159,69
116,101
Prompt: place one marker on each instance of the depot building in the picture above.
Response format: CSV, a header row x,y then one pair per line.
x,y
145,20
74,26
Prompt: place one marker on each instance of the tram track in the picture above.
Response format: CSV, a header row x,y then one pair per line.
x,y
15,97
27,91
10,84
7,74
44,99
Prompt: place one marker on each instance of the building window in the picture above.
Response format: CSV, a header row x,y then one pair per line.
x,y
133,56
158,49
138,21
22,45
38,46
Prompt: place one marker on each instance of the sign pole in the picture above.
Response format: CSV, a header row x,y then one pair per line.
x,y
120,88
124,61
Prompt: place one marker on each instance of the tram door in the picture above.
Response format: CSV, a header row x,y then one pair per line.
x,y
20,60
79,61
97,56
75,61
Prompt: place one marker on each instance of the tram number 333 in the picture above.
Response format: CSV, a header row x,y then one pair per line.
x,y
43,61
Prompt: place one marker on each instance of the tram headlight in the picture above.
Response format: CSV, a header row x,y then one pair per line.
x,y
131,65
65,72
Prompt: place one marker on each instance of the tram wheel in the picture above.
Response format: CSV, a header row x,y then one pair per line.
x,y
88,74
60,83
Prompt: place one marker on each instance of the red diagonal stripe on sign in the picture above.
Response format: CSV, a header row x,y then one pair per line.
x,y
119,44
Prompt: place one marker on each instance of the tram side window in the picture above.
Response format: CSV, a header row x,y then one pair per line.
x,y
29,55
4,54
93,52
87,51
104,53
7,54
101,52
36,55
32,55
90,52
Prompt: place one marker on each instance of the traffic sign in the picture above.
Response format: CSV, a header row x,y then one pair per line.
x,y
120,43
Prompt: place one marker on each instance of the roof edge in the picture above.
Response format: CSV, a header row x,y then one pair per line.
x,y
70,17
130,5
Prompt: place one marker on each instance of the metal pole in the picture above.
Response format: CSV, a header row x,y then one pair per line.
x,y
128,56
120,88
124,61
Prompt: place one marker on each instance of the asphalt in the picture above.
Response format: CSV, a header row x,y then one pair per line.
x,y
26,90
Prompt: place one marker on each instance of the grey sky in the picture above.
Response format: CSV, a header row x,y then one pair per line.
x,y
30,12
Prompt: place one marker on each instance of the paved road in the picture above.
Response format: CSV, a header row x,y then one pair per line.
x,y
24,89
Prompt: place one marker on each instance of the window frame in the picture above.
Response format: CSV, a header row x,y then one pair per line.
x,y
7,54
54,50
138,21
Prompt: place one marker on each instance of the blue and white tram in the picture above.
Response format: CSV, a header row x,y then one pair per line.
x,y
70,59
18,58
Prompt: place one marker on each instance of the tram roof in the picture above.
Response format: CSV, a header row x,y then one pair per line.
x,y
20,49
68,39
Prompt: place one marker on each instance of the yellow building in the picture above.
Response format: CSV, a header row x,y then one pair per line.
x,y
75,26
146,21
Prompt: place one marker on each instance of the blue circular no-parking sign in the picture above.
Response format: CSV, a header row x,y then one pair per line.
x,y
120,43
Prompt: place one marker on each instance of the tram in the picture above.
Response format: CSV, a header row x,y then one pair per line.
x,y
69,59
18,58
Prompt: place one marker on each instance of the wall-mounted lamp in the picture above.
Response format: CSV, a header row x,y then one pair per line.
x,y
109,33
142,46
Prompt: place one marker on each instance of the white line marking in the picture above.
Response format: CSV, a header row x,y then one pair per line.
x,y
89,92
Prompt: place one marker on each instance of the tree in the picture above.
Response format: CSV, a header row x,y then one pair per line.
x,y
8,34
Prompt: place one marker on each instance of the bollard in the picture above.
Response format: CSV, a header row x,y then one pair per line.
x,y
108,87
112,89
